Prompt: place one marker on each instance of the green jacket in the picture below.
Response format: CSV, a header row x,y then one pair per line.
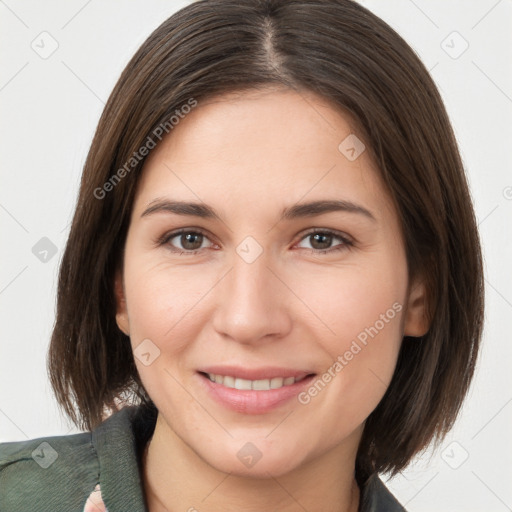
x,y
61,473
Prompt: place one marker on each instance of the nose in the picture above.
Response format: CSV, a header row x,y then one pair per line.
x,y
252,303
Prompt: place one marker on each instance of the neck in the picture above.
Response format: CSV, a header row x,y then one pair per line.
x,y
177,479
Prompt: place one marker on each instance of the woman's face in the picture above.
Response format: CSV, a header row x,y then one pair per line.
x,y
260,287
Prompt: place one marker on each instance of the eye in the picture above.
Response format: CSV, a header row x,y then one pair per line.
x,y
188,241
185,241
321,241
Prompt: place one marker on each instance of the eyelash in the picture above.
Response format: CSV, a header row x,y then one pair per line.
x,y
346,242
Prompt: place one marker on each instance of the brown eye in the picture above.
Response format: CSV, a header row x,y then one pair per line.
x,y
185,241
191,241
323,241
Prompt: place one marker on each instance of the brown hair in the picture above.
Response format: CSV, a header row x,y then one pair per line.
x,y
344,53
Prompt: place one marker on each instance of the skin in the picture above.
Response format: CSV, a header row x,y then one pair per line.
x,y
249,156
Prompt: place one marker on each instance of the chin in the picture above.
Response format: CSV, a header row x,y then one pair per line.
x,y
254,459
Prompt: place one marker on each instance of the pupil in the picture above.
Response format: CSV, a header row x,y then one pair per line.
x,y
323,239
188,238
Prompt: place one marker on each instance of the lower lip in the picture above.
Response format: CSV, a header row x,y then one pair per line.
x,y
249,401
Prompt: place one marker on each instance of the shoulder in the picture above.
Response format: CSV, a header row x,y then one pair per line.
x,y
72,473
48,473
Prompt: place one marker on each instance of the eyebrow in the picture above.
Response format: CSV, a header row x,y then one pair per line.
x,y
299,210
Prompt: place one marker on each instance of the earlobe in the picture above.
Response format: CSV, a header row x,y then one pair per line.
x,y
121,308
416,319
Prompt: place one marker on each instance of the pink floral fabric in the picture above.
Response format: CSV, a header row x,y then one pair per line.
x,y
94,502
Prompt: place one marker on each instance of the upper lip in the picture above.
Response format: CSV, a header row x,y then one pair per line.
x,y
268,372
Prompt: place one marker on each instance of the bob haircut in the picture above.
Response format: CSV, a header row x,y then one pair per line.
x,y
348,56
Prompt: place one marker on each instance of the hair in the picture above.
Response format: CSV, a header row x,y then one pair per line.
x,y
348,56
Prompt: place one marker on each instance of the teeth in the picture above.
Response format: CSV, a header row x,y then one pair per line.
x,y
276,382
228,382
242,384
258,385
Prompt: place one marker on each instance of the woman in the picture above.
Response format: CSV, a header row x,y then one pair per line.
x,y
274,259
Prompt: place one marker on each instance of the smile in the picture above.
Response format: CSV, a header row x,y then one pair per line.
x,y
256,385
253,396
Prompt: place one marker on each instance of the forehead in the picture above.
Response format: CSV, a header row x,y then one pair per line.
x,y
268,145
303,122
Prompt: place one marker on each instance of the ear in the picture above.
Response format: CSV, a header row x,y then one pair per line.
x,y
121,309
416,322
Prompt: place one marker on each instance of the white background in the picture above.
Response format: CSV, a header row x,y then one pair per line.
x,y
50,108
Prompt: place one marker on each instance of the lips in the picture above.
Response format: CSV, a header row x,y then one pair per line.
x,y
250,390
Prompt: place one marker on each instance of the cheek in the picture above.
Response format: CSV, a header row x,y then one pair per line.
x,y
162,300
361,313
347,300
164,306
